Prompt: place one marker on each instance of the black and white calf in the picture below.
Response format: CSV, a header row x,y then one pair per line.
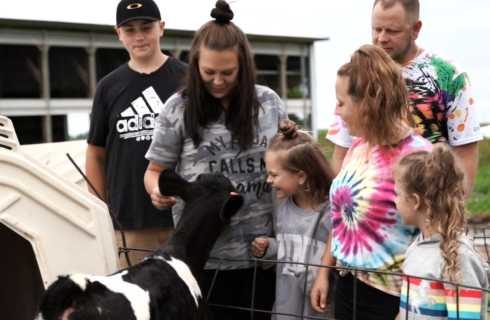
x,y
164,286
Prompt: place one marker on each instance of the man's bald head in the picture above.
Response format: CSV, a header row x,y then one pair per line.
x,y
412,7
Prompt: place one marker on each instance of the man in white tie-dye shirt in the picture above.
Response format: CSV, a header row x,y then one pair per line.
x,y
439,93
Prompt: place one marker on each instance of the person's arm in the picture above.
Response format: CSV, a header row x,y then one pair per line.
x,y
468,158
95,158
337,158
339,135
319,290
462,117
152,175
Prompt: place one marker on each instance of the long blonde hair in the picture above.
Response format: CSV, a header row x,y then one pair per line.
x,y
438,181
376,85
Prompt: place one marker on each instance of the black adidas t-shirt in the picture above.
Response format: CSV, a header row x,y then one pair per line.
x,y
122,120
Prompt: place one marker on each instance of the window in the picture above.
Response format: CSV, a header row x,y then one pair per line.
x,y
268,71
68,72
21,74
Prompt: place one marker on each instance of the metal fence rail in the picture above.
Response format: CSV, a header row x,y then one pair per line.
x,y
481,242
481,239
257,264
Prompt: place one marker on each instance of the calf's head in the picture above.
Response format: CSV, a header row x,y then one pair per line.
x,y
210,202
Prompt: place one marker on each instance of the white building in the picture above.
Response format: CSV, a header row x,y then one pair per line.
x,y
50,68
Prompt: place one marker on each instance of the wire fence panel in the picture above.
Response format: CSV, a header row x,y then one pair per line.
x,y
481,239
455,297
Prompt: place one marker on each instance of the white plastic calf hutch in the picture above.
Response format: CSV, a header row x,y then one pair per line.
x,y
48,226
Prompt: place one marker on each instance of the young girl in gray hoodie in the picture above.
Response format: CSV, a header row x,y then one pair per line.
x,y
430,195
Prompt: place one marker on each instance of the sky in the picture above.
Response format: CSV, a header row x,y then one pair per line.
x,y
455,31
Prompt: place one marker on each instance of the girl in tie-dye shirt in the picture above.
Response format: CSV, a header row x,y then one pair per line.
x,y
430,195
367,231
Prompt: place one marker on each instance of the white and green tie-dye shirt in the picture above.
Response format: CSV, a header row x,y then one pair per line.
x,y
172,148
440,102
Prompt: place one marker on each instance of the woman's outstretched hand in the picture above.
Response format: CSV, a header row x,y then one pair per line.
x,y
160,201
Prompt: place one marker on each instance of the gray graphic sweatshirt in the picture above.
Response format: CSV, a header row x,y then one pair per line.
x,y
300,239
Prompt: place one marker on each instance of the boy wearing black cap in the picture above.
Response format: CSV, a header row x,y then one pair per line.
x,y
125,105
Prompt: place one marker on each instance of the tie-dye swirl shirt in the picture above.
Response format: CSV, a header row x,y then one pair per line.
x,y
367,227
440,101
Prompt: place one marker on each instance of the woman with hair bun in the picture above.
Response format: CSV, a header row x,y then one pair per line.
x,y
222,122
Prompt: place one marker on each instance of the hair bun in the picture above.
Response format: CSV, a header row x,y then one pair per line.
x,y
289,129
222,12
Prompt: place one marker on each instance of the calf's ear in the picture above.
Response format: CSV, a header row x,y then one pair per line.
x,y
171,184
231,206
59,297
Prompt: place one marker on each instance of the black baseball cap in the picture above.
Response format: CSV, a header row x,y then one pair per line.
x,y
128,10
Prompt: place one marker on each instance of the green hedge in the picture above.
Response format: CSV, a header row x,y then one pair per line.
x,y
479,202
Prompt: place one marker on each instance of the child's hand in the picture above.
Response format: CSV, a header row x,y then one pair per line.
x,y
319,291
259,247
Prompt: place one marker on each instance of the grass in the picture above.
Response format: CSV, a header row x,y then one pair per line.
x,y
326,145
479,203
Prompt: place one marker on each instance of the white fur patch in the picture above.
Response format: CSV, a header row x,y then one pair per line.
x,y
185,274
80,280
138,298
39,317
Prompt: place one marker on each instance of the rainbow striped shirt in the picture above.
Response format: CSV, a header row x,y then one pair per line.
x,y
436,300
432,299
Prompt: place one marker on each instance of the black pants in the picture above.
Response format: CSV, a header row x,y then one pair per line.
x,y
233,288
371,303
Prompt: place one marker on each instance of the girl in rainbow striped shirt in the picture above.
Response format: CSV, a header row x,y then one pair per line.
x,y
430,195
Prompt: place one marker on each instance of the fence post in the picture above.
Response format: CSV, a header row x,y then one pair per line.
x,y
304,291
457,302
211,287
485,242
252,305
354,293
407,304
